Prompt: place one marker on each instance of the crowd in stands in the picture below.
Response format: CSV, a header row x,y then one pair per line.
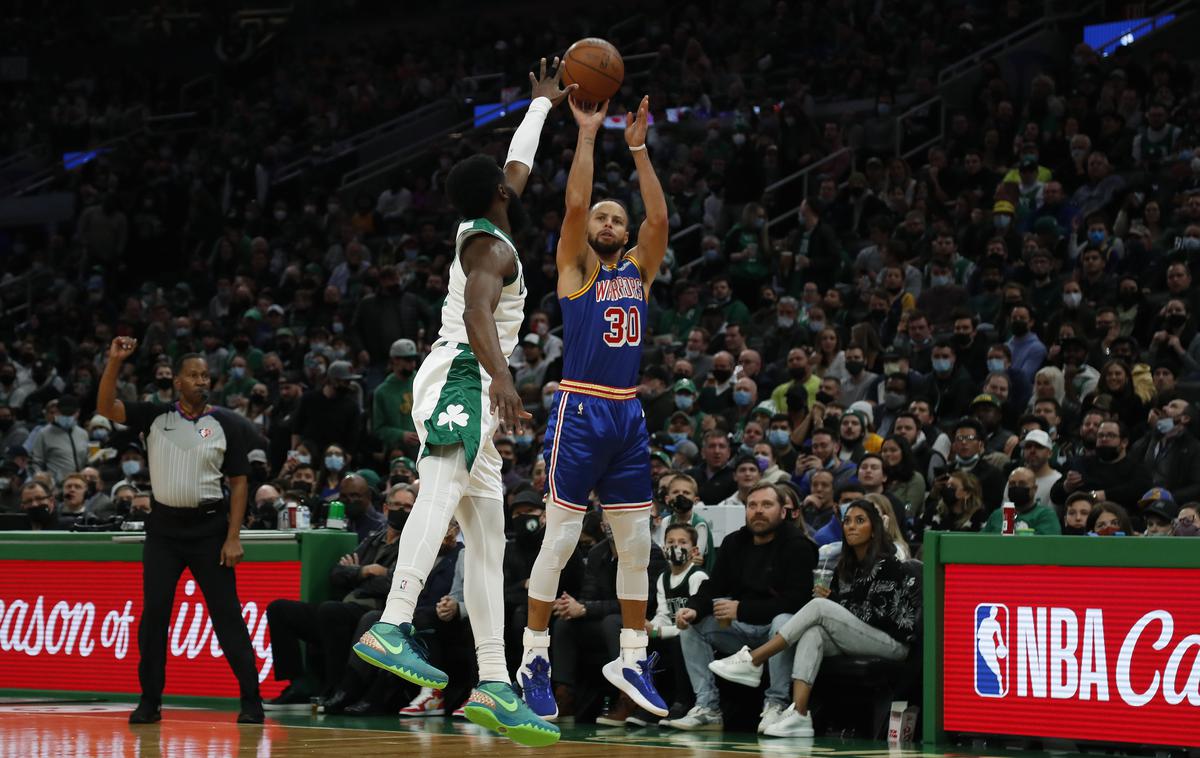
x,y
1008,317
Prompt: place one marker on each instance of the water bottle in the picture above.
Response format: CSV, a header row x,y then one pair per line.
x,y
303,518
337,516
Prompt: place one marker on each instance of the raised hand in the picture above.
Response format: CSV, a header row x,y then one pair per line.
x,y
589,116
636,124
121,348
550,87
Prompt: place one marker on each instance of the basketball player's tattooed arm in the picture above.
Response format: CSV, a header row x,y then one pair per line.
x,y
487,262
525,138
572,257
652,234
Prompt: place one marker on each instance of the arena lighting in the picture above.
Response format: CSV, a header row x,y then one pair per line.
x,y
74,160
489,112
1106,38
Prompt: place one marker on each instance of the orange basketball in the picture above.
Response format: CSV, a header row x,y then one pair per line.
x,y
596,66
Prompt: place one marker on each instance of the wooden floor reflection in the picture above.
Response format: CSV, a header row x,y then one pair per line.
x,y
99,730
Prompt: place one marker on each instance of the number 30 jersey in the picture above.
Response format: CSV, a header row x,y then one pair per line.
x,y
602,327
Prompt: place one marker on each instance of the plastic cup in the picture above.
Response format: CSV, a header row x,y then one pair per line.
x,y
720,622
822,578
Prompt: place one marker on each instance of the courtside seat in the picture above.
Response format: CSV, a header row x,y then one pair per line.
x,y
853,695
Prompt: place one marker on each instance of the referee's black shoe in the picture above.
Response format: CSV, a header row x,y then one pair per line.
x,y
251,711
146,713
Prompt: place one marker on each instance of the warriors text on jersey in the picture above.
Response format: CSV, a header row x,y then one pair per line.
x,y
603,327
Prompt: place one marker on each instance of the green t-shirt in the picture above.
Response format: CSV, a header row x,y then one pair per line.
x,y
1041,519
392,410
750,269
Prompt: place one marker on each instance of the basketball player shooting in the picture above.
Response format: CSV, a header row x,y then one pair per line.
x,y
463,394
596,436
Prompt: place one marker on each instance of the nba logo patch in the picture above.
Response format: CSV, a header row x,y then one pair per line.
x,y
206,433
991,650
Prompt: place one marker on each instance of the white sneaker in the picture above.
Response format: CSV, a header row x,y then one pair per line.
x,y
428,702
772,712
791,724
699,719
738,669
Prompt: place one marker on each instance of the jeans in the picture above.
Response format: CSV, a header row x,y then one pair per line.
x,y
699,640
823,628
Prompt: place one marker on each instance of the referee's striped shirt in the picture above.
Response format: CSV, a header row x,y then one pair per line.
x,y
189,456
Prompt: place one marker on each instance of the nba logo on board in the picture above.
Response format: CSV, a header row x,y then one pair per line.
x,y
991,650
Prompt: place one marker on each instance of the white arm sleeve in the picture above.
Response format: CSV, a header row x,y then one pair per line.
x,y
525,139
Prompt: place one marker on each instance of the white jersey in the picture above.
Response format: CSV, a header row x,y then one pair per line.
x,y
510,311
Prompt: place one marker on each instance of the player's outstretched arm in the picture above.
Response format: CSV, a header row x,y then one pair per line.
x,y
652,234
487,262
547,93
572,243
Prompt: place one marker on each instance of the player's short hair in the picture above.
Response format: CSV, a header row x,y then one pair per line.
x,y
471,185
624,209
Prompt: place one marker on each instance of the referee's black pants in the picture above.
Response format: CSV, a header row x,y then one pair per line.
x,y
175,541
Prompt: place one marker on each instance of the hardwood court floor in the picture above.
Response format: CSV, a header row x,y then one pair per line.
x,y
95,729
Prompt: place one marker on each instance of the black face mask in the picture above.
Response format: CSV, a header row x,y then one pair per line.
x,y
124,506
962,340
355,510
681,504
1022,497
824,397
396,519
1075,530
40,515
721,375
855,367
241,345
1175,321
527,529
1108,454
798,374
164,382
1020,328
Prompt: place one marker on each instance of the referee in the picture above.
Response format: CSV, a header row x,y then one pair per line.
x,y
191,447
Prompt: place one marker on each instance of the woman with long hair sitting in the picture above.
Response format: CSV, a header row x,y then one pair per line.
x,y
870,608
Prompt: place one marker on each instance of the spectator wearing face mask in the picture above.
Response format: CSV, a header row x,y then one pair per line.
x,y
37,502
1110,474
967,449
949,387
61,446
361,515
1022,492
674,588
393,401
332,413
1170,450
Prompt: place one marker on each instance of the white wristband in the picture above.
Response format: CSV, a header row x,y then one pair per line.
x,y
638,148
525,139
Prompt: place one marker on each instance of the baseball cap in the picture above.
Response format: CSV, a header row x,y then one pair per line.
x,y
1027,163
744,459
1004,206
986,399
342,371
528,497
1156,495
99,422
402,461
662,458
257,456
68,404
1046,225
15,451
1039,438
403,349
276,308
531,339
253,313
292,377
685,385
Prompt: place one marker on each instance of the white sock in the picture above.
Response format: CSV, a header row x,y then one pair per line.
x,y
633,645
443,479
482,522
536,644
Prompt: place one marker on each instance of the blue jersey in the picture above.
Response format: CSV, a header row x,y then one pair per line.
x,y
602,327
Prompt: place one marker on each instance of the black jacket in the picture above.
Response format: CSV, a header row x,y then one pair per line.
x,y
716,488
1174,466
1123,482
599,593
348,582
766,580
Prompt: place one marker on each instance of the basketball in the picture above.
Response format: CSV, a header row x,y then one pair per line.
x,y
596,66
